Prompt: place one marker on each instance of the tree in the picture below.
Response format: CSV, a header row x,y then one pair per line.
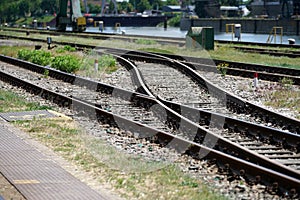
x,y
9,10
134,3
49,6
156,4
143,5
200,8
125,7
172,2
229,2
27,7
94,8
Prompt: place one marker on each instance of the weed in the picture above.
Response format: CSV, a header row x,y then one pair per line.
x,y
66,63
222,68
286,82
107,61
69,48
46,73
60,50
189,183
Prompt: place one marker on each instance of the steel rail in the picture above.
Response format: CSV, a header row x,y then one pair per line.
x,y
273,179
234,68
192,113
238,104
102,36
271,73
234,65
272,52
162,39
288,140
294,46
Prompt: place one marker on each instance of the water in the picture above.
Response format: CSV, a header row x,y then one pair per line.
x,y
177,33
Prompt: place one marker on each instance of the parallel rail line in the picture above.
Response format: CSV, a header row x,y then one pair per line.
x,y
269,73
233,102
164,40
236,166
272,52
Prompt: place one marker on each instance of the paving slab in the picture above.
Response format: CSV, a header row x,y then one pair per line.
x,y
36,175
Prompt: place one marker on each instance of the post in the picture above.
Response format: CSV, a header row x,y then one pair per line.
x,y
165,23
255,80
101,26
96,65
49,41
275,36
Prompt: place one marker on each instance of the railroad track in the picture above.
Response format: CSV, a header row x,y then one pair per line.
x,y
170,84
269,73
163,40
272,52
103,36
233,102
288,46
175,124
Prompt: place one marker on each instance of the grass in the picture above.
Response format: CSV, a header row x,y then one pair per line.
x,y
223,52
130,176
29,20
145,41
107,64
227,53
10,102
156,50
11,51
284,98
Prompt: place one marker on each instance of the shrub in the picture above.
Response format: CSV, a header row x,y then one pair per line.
x,y
66,63
37,57
41,57
107,61
174,21
69,48
24,54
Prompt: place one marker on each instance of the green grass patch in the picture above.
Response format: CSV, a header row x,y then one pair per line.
x,y
29,20
225,52
10,102
106,64
157,50
145,41
284,98
125,173
66,48
11,51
